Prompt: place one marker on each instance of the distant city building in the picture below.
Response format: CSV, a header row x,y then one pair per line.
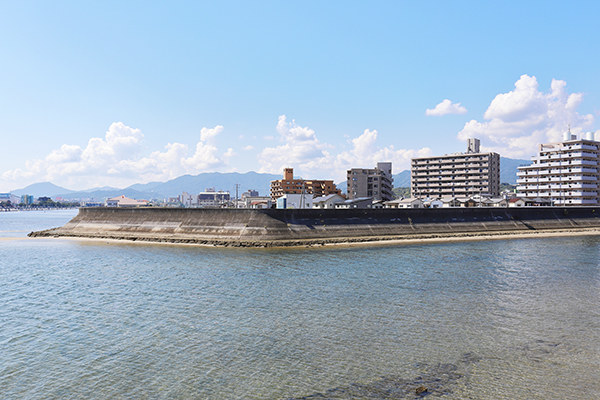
x,y
27,199
376,183
562,173
289,185
187,199
9,197
295,201
458,174
249,193
255,202
122,201
212,198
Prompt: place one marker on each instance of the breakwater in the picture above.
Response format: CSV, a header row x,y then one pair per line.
x,y
289,227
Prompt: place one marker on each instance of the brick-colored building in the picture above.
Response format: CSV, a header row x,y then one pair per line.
x,y
289,185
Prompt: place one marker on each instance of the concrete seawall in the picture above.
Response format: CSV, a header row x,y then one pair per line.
x,y
275,227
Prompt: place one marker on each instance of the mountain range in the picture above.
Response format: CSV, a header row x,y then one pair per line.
x,y
220,181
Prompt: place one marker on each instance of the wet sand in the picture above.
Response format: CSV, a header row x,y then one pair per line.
x,y
329,242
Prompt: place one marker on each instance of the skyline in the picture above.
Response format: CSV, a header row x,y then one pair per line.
x,y
114,94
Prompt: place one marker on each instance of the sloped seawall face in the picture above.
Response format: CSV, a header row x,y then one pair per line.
x,y
288,227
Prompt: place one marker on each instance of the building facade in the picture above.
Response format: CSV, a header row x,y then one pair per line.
x,y
289,185
458,174
565,173
376,183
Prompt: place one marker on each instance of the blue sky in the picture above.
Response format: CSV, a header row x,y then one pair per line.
x,y
116,93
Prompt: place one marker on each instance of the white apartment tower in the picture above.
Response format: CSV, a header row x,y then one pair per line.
x,y
566,173
458,175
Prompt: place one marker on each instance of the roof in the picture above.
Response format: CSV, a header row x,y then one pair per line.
x,y
326,198
126,200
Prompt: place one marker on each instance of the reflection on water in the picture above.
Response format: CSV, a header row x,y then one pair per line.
x,y
486,320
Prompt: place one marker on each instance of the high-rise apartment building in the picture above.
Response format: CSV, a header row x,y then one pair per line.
x,y
458,174
289,185
566,173
376,182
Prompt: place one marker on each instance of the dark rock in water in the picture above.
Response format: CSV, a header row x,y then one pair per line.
x,y
435,381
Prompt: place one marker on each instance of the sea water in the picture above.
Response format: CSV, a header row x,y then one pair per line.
x,y
502,319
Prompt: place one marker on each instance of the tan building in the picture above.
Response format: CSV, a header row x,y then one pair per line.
x,y
563,173
458,174
376,183
289,185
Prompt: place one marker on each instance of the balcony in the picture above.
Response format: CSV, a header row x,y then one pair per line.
x,y
579,147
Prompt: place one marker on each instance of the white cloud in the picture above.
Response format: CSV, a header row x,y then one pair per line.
x,y
519,120
446,107
301,148
309,157
207,135
248,148
116,160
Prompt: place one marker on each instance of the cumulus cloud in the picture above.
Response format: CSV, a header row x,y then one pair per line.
x,y
207,135
446,107
517,121
302,150
301,147
116,160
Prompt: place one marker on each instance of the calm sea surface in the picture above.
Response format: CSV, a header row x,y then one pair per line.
x,y
505,319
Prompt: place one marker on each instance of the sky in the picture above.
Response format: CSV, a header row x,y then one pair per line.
x,y
114,93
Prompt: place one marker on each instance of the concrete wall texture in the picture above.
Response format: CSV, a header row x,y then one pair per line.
x,y
281,227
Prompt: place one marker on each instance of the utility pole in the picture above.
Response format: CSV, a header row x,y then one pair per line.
x,y
237,188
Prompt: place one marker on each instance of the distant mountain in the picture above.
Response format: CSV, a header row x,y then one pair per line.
x,y
402,179
42,189
192,184
101,195
220,181
508,169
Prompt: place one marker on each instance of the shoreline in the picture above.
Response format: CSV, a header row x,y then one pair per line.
x,y
332,242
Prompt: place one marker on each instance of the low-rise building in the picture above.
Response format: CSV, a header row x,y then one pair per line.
x,y
256,202
516,202
327,202
122,201
409,202
362,202
295,201
213,198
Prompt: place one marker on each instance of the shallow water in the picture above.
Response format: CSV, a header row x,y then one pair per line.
x,y
498,319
